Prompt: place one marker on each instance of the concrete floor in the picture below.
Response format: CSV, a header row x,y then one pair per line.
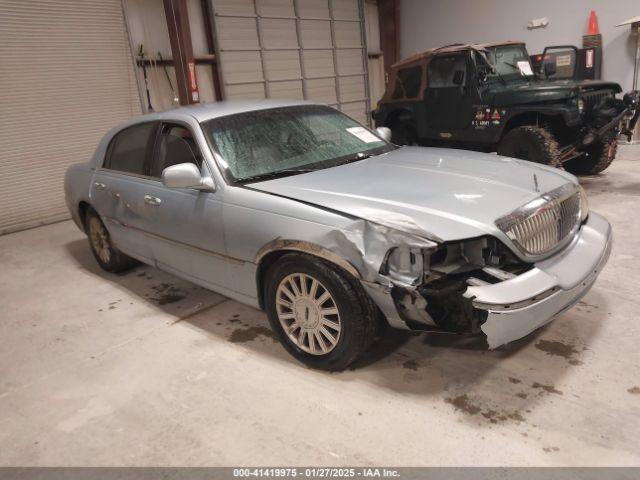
x,y
146,369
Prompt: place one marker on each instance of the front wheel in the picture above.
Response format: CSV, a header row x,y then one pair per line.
x,y
321,315
535,144
597,158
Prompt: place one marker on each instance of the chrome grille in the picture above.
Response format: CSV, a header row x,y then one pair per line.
x,y
546,222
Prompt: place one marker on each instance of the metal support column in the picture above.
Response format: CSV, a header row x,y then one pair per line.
x,y
207,13
390,33
182,50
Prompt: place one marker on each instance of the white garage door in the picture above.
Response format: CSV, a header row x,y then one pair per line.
x,y
66,78
306,49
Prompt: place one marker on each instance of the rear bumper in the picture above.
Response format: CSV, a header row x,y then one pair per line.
x,y
518,306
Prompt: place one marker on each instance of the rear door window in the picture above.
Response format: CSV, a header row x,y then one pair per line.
x,y
408,82
443,69
128,149
175,145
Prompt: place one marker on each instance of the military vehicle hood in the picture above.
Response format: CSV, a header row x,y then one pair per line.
x,y
544,91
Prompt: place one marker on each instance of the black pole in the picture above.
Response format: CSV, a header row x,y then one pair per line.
x,y
166,72
144,74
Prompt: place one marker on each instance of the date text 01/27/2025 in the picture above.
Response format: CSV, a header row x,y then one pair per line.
x,y
312,472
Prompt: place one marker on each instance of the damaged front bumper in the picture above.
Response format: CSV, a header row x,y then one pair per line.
x,y
622,122
518,306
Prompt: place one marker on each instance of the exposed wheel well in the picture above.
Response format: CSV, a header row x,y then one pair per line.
x,y
271,258
83,208
263,267
554,123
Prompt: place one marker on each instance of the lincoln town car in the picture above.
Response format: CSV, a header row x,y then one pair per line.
x,y
297,209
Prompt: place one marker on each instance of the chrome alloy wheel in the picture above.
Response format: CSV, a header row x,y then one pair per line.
x,y
99,239
308,314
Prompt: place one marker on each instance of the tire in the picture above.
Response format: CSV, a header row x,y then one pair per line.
x,y
351,314
404,133
597,158
106,254
535,144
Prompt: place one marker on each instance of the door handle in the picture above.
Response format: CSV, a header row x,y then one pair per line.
x,y
155,201
99,186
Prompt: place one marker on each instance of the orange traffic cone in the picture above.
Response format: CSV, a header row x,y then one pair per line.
x,y
593,24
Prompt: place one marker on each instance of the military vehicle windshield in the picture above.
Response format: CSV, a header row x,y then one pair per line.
x,y
511,62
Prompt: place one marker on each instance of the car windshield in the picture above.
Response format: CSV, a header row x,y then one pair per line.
x,y
511,62
286,141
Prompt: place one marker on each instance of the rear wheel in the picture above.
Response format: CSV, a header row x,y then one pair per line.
x,y
107,255
320,313
535,144
404,132
597,158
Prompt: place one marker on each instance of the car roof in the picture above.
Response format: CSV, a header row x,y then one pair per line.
x,y
207,111
457,47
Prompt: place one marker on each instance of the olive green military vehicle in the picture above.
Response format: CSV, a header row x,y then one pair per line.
x,y
488,98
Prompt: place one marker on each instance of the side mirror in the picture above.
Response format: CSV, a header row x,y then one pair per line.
x,y
384,133
458,77
186,175
549,68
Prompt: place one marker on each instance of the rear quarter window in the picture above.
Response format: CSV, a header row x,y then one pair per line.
x,y
408,82
128,149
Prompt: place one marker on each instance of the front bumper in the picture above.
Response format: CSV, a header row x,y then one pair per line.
x,y
518,306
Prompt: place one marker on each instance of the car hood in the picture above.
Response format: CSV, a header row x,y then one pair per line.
x,y
441,194
520,92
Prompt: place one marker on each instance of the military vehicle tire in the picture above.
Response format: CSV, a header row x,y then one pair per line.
x,y
597,158
403,132
535,144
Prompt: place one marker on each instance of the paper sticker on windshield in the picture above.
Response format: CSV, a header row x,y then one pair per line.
x,y
563,60
525,67
363,134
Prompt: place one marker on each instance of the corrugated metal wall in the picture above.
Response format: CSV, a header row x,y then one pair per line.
x,y
307,49
66,78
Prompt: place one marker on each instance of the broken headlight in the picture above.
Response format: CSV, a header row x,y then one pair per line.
x,y
404,264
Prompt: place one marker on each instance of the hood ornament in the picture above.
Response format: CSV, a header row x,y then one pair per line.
x,y
535,182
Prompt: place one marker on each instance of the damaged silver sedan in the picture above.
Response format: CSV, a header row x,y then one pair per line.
x,y
297,209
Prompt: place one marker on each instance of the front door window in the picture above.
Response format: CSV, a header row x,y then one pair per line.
x,y
176,145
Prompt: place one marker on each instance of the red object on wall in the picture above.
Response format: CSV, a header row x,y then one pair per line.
x,y
192,80
593,24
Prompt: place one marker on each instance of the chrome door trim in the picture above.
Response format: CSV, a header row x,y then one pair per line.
x,y
127,174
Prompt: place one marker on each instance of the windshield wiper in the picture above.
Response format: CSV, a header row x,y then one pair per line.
x,y
295,171
279,173
358,156
518,69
